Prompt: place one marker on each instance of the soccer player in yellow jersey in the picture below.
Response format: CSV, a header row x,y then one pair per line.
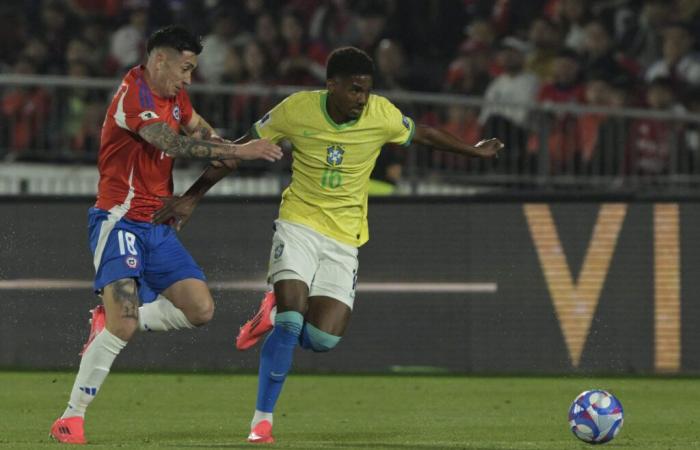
x,y
337,135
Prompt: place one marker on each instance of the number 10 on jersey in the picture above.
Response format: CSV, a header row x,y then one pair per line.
x,y
331,178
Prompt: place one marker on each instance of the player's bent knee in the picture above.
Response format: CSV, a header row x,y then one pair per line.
x,y
202,313
316,340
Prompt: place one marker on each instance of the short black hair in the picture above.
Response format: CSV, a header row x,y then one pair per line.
x,y
348,61
175,37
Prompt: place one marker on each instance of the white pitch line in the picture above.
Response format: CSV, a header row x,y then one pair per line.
x,y
247,285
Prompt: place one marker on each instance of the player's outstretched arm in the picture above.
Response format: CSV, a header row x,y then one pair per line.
x,y
445,141
178,210
160,135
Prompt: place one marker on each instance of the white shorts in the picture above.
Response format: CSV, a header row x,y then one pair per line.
x,y
328,267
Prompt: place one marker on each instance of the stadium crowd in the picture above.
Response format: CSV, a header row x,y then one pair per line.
x,y
611,53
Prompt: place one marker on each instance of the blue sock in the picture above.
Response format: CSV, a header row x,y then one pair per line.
x,y
276,358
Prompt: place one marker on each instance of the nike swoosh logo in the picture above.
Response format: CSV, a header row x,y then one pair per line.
x,y
307,133
276,374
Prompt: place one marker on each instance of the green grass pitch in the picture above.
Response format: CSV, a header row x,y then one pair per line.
x,y
212,411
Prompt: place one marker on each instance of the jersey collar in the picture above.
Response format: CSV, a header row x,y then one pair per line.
x,y
324,108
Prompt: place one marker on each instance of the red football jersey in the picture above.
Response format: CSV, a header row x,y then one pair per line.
x,y
134,173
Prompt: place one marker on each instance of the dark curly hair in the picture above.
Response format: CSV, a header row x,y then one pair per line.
x,y
348,61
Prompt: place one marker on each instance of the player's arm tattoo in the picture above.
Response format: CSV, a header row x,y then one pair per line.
x,y
126,294
203,130
163,137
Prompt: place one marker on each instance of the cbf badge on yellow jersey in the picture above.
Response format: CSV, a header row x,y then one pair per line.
x,y
335,155
332,162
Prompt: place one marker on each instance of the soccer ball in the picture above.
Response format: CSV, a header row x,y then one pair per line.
x,y
595,416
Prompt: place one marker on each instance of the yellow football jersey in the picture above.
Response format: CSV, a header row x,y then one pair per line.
x,y
332,162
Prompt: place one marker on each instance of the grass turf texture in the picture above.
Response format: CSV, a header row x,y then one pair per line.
x,y
199,411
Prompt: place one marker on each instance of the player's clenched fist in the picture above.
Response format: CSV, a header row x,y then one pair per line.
x,y
489,147
259,149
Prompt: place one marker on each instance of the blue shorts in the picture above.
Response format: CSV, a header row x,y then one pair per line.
x,y
151,254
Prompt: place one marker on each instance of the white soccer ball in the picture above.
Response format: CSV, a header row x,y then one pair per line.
x,y
595,416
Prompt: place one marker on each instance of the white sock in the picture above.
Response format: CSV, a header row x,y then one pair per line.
x,y
94,367
260,416
162,315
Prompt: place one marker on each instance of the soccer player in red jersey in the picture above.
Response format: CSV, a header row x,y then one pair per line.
x,y
135,260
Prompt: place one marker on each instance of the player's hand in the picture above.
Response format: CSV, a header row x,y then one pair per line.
x,y
259,149
175,211
489,148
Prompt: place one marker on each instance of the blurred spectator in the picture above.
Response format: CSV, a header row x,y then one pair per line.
x,y
545,37
482,55
77,51
517,85
335,23
690,160
480,31
13,35
128,42
561,128
217,48
92,8
597,92
479,45
233,71
257,67
572,16
601,135
651,141
641,41
302,61
24,113
511,16
190,14
599,56
392,72
38,52
466,76
256,71
248,12
462,122
371,26
81,120
679,61
267,34
57,29
590,125
96,34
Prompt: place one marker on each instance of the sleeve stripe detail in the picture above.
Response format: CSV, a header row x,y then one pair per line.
x,y
410,136
254,131
119,114
145,96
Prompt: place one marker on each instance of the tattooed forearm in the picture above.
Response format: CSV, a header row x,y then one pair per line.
x,y
163,137
126,293
203,132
